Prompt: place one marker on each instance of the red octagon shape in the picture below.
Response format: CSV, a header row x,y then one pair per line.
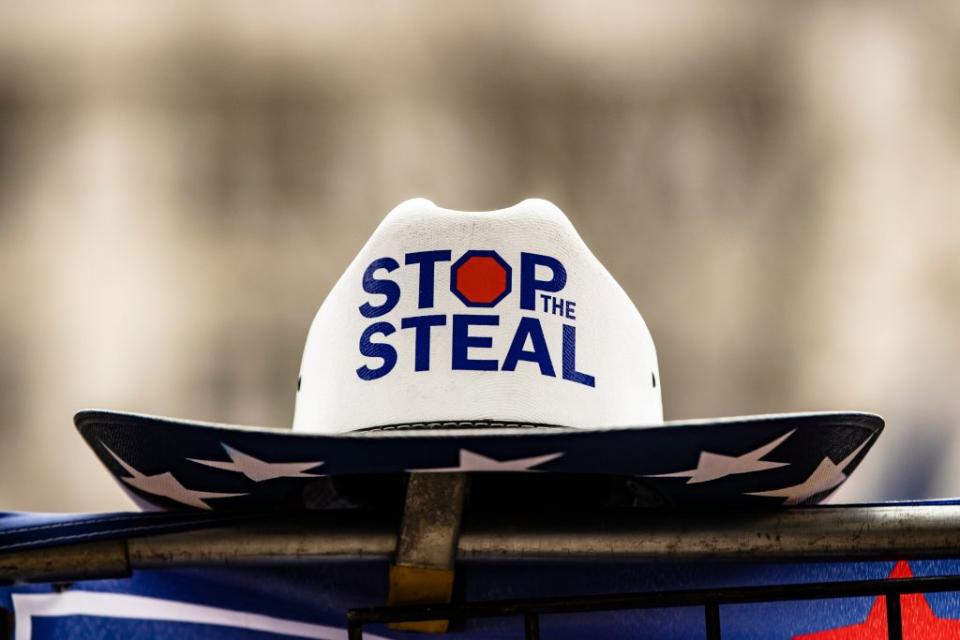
x,y
480,278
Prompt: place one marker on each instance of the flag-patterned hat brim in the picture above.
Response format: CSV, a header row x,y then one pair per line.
x,y
765,461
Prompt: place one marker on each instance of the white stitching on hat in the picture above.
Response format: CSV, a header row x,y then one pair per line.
x,y
459,424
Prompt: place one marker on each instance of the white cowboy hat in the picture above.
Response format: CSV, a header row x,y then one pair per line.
x,y
480,341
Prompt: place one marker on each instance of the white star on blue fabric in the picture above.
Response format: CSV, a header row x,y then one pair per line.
x,y
470,461
167,486
259,470
826,476
712,466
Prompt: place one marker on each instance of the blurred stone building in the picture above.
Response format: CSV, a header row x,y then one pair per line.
x,y
775,185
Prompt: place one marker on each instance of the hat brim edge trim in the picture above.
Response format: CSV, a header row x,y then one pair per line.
x,y
430,428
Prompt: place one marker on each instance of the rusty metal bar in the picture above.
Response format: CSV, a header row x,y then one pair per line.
x,y
864,533
424,568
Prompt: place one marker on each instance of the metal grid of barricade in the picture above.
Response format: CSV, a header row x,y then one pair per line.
x,y
530,610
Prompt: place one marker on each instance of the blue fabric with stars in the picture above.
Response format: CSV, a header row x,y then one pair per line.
x,y
310,600
747,462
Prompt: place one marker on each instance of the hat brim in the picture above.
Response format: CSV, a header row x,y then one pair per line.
x,y
764,461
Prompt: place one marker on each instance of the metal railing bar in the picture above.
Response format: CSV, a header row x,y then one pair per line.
x,y
656,600
711,612
894,619
531,626
354,630
845,533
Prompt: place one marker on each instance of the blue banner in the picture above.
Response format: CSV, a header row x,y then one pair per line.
x,y
311,600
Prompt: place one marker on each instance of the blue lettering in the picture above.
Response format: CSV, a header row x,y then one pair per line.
x,y
387,288
427,261
558,307
421,326
540,354
529,285
570,358
463,342
380,350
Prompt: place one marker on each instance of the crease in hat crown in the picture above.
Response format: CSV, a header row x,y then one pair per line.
x,y
500,316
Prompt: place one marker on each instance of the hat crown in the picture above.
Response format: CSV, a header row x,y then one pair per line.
x,y
461,316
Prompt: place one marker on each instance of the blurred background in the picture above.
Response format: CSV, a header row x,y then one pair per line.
x,y
776,185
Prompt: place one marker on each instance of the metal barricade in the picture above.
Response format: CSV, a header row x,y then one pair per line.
x,y
884,532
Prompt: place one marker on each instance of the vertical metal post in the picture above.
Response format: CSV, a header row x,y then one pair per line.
x,y
354,630
711,612
894,619
6,623
531,626
423,571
